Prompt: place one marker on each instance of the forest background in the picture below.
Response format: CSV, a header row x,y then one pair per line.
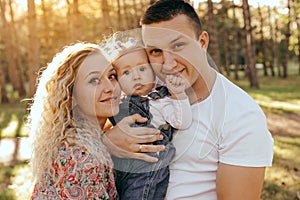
x,y
254,45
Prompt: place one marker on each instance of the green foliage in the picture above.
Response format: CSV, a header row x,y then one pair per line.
x,y
5,175
15,182
276,95
12,120
282,180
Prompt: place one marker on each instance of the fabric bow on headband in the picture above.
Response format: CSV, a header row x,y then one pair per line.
x,y
113,47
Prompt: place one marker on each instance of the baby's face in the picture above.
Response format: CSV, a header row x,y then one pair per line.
x,y
135,74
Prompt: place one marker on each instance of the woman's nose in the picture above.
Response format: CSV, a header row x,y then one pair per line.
x,y
108,86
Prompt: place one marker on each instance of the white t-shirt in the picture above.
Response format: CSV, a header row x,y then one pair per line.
x,y
228,127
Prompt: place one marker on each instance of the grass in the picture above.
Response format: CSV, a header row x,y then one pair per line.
x,y
15,182
282,180
276,95
12,117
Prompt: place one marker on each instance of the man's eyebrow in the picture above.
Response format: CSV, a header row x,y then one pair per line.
x,y
177,38
172,41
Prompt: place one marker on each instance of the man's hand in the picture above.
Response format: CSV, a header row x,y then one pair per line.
x,y
124,141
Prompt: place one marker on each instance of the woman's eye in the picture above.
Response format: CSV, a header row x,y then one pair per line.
x,y
95,81
113,77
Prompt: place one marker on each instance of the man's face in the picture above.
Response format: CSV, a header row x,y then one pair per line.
x,y
173,48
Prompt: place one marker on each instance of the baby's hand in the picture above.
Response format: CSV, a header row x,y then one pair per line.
x,y
176,86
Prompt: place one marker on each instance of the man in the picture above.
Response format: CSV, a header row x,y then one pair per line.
x,y
223,154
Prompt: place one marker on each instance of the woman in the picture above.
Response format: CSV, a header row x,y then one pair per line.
x,y
76,94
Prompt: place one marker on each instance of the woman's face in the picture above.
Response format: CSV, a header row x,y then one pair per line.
x,y
96,90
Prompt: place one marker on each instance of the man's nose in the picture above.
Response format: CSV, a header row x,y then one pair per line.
x,y
169,61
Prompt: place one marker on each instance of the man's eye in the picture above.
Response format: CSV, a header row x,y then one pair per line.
x,y
178,46
155,52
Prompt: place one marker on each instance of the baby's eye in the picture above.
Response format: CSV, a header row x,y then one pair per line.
x,y
142,68
126,72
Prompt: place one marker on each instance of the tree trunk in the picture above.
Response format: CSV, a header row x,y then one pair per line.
x,y
119,17
33,56
214,47
73,18
250,46
70,26
262,42
46,28
15,154
126,16
3,92
13,71
298,27
225,34
277,54
287,42
235,44
105,17
135,14
76,21
246,57
17,56
272,47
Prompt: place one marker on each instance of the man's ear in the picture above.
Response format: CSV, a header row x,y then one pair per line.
x,y
204,40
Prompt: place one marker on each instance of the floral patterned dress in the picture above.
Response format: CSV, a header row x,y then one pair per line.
x,y
79,175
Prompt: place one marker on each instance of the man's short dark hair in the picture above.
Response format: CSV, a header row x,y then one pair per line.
x,y
164,10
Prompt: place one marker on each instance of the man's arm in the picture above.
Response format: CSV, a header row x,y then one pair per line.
x,y
237,182
124,141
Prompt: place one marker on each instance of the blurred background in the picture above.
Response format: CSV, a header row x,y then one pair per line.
x,y
254,43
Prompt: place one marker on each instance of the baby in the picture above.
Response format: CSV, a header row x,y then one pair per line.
x,y
166,108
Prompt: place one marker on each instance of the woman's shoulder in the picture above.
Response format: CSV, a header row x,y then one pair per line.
x,y
94,153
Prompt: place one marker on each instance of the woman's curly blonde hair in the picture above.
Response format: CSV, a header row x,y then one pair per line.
x,y
51,120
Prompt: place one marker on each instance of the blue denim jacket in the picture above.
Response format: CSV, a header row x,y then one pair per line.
x,y
137,179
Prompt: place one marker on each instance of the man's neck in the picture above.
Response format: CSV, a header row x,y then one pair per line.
x,y
202,88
